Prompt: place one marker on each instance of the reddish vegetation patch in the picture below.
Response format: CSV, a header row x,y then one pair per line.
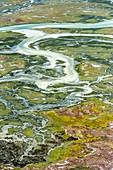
x,y
101,158
81,111
104,133
98,140
18,20
3,57
84,133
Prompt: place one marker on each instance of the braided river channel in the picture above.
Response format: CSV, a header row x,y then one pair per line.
x,y
56,56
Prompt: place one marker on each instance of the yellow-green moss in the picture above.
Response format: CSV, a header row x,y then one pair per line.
x,y
29,132
37,166
89,120
89,70
11,65
3,110
68,149
12,130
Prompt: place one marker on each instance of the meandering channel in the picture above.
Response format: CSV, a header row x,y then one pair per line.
x,y
70,75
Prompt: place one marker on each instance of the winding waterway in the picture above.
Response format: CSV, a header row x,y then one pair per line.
x,y
71,76
50,66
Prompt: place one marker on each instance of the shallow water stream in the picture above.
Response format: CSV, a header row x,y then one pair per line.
x,y
54,54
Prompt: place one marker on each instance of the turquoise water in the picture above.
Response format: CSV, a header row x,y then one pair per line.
x,y
55,63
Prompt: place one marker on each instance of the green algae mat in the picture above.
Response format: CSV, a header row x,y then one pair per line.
x,y
56,85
